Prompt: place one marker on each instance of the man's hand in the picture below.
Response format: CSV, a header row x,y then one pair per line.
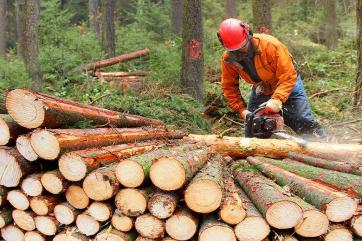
x,y
243,114
273,106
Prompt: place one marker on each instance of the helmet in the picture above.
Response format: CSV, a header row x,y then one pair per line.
x,y
233,33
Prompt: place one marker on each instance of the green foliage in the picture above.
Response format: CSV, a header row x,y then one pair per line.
x,y
13,73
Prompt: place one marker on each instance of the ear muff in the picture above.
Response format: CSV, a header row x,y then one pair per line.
x,y
219,37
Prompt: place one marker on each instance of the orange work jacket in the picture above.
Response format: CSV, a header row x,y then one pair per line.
x,y
274,65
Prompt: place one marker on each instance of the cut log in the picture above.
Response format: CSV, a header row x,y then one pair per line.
x,y
149,226
340,166
338,233
24,219
115,60
131,202
3,194
281,235
24,147
65,213
33,236
33,109
231,210
133,171
46,225
9,130
356,224
211,229
31,185
110,234
140,238
12,233
100,211
18,199
204,193
279,210
60,140
182,225
87,225
173,172
75,165
122,74
254,226
13,167
70,234
338,180
101,184
43,205
121,222
124,83
162,204
338,206
168,239
54,182
5,217
76,197
276,148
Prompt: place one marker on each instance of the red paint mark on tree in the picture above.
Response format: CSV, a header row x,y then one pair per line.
x,y
194,49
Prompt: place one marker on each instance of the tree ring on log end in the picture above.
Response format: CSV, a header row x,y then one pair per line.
x,y
64,214
284,215
33,236
181,227
4,132
341,209
313,224
24,147
45,144
52,183
72,167
252,228
219,233
131,202
24,220
18,200
130,174
10,170
45,225
357,225
339,234
232,214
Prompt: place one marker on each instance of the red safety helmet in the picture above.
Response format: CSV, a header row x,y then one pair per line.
x,y
233,34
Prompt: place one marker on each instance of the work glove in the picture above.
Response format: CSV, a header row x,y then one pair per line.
x,y
244,113
273,106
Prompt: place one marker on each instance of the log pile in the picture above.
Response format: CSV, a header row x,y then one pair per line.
x,y
137,180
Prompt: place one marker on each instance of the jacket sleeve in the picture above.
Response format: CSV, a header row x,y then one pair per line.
x,y
285,73
230,87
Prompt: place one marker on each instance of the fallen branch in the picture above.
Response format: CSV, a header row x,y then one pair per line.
x,y
323,93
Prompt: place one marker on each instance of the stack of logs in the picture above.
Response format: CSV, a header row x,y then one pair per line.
x,y
139,180
120,80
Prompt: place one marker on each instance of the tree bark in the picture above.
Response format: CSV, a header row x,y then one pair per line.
x,y
340,166
274,148
3,27
182,225
149,226
29,11
90,159
262,16
313,192
177,7
279,210
109,35
9,130
357,101
34,109
230,9
338,180
211,228
3,194
61,140
162,204
94,15
204,193
331,23
192,50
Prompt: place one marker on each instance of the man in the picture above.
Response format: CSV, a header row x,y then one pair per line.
x,y
264,62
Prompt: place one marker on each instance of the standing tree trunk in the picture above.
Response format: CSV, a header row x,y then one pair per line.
x,y
3,26
192,54
28,11
357,103
230,9
176,16
94,14
331,23
262,16
109,36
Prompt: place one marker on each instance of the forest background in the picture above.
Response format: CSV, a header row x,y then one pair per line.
x,y
320,34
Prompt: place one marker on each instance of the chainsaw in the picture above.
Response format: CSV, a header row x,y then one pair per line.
x,y
262,125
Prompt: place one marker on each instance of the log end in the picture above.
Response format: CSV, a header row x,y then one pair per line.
x,y
131,202
33,236
181,227
252,228
76,196
284,215
4,132
45,144
64,214
232,214
121,222
149,226
25,108
217,232
161,206
11,232
87,225
39,206
72,167
32,186
10,170
313,224
100,211
24,147
167,174
356,224
46,225
203,196
339,234
18,199
24,220
52,183
341,209
130,174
